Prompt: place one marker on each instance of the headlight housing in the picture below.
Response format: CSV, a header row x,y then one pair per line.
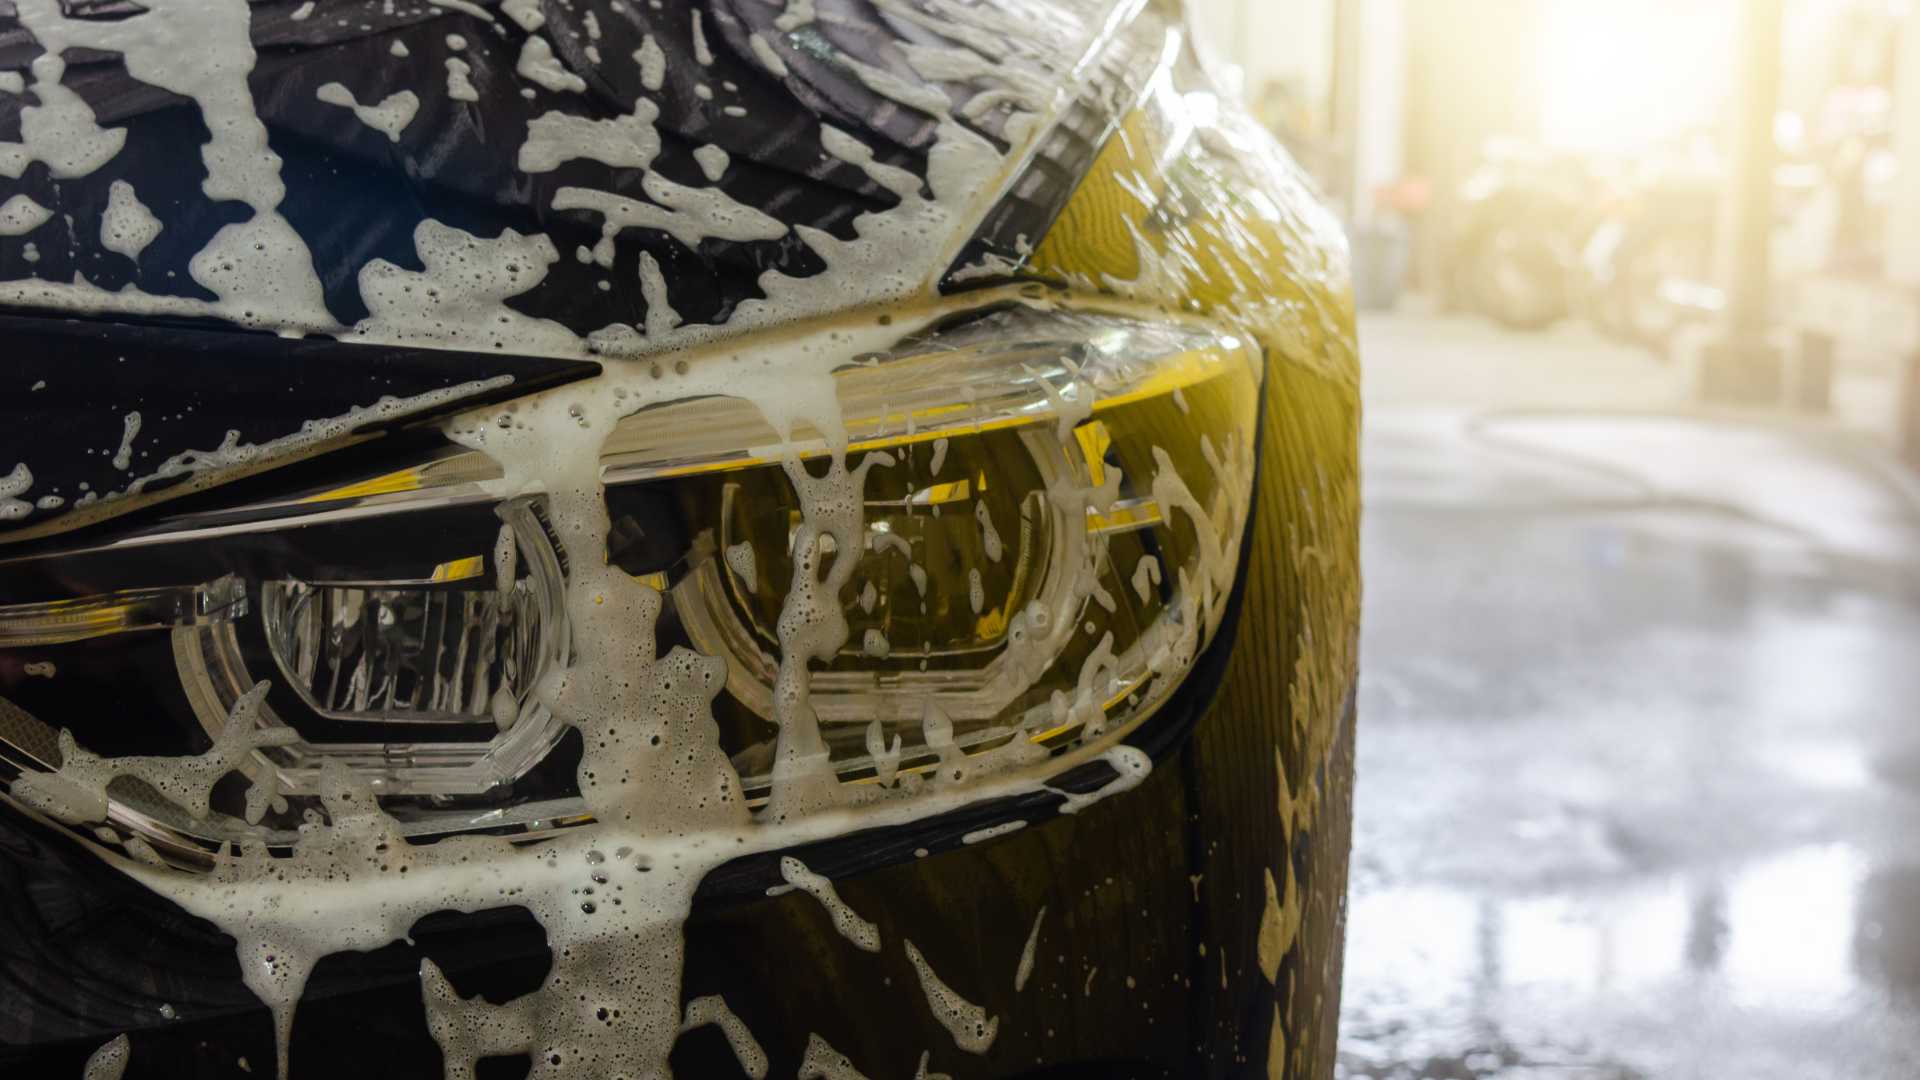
x,y
1050,527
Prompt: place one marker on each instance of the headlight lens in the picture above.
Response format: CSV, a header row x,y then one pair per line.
x,y
1049,545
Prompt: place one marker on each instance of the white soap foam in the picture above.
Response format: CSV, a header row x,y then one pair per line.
x,y
740,560
989,536
702,52
972,1029
13,485
538,65
823,1062
260,268
21,215
769,58
61,129
653,63
628,141
127,226
460,80
1025,969
712,1009
712,160
110,1061
863,934
1146,578
981,836
129,430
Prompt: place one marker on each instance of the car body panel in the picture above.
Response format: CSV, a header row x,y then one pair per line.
x,y
1190,926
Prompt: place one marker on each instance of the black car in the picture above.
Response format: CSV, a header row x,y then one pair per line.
x,y
626,538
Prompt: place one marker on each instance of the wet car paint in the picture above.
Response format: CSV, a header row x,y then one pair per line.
x,y
1193,924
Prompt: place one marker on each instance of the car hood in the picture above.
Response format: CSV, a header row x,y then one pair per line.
x,y
526,188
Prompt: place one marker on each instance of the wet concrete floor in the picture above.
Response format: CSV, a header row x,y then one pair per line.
x,y
1639,757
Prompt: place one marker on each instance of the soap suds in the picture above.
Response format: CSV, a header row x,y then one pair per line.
x,y
972,1029
129,430
460,80
465,7
20,215
712,161
701,51
537,64
60,129
768,58
689,215
260,269
1025,971
526,13
13,485
661,318
110,1061
1146,578
127,226
989,536
980,836
854,152
740,560
1279,921
77,792
456,301
629,141
863,934
712,1009
653,63
823,1062
389,118
798,13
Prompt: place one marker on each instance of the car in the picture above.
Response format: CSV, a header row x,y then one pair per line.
x,y
627,538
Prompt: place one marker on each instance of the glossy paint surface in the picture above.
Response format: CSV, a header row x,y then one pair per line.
x,y
1187,926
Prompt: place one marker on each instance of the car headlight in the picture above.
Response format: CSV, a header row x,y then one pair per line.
x,y
1053,498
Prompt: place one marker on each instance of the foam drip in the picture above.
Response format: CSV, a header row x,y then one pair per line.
x,y
1025,970
110,1061
972,1029
712,1009
864,935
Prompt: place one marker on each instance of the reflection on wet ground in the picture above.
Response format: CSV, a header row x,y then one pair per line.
x,y
1639,786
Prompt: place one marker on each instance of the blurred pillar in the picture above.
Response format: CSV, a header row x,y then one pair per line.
x,y
1741,366
1903,222
1472,73
1903,213
1344,111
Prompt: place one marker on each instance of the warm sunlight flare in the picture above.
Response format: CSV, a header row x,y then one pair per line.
x,y
1616,76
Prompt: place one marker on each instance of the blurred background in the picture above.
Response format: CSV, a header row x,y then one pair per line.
x,y
1639,758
